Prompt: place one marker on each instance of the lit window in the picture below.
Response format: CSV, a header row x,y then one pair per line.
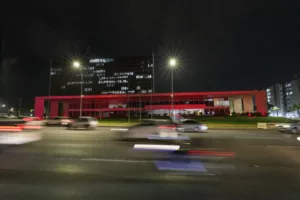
x,y
139,76
291,93
144,91
87,89
124,88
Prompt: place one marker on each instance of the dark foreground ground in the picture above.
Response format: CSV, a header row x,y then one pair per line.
x,y
78,164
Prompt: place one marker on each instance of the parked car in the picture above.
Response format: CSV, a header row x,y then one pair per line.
x,y
56,120
83,122
189,125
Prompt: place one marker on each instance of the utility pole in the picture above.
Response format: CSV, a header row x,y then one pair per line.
x,y
20,105
128,103
140,107
153,85
49,87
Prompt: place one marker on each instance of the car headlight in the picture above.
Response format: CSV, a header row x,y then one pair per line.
x,y
94,123
204,127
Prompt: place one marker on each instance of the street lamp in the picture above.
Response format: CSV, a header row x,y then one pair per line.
x,y
3,105
77,65
172,63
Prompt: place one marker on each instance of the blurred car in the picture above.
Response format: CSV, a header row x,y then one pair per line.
x,y
83,122
57,120
66,121
15,132
292,126
189,125
152,129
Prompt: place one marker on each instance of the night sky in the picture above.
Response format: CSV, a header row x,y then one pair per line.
x,y
220,44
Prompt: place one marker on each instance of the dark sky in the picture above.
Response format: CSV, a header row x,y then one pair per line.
x,y
222,45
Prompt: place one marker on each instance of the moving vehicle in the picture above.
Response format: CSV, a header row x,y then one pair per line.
x,y
83,122
57,120
155,130
293,126
150,128
16,132
189,125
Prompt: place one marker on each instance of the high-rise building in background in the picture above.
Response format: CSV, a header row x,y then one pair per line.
x,y
275,98
282,98
129,75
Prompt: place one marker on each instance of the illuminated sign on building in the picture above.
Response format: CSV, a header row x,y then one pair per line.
x,y
101,60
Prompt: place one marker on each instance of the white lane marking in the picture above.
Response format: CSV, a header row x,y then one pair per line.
x,y
262,138
115,160
156,147
119,129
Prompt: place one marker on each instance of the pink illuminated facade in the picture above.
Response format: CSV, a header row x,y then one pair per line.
x,y
158,103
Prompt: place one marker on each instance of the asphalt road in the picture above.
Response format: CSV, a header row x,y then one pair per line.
x,y
79,164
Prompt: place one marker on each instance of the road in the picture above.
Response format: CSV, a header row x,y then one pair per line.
x,y
79,164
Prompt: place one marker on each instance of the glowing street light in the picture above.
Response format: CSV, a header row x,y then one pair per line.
x,y
172,62
3,105
77,65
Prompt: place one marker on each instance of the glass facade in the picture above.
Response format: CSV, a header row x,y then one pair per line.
x,y
131,75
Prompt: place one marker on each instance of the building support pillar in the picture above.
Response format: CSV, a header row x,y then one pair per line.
x,y
53,108
39,107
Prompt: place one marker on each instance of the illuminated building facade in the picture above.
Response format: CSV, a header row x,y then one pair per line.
x,y
205,103
129,75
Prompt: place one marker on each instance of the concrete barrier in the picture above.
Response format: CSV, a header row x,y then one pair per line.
x,y
266,125
262,125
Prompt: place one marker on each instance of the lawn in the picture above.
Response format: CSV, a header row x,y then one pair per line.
x,y
241,120
229,120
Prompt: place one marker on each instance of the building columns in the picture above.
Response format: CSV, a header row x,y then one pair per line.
x,y
65,109
39,107
53,108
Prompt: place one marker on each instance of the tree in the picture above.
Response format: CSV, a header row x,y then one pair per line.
x,y
296,107
275,108
270,106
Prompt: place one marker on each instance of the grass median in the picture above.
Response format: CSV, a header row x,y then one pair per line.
x,y
237,122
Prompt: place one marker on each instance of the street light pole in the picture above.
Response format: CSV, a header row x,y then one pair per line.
x,y
172,91
172,63
81,84
76,64
49,88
